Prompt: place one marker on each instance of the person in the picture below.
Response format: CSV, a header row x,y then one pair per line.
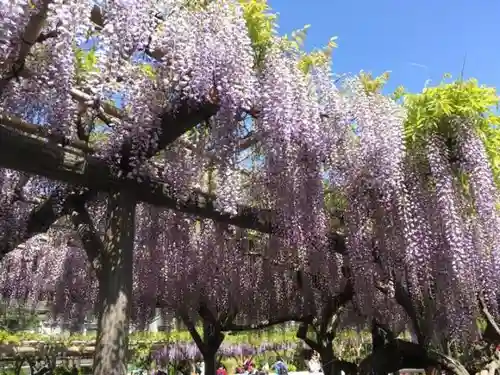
x,y
248,365
314,364
280,367
221,370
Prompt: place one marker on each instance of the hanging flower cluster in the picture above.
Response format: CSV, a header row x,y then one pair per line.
x,y
420,209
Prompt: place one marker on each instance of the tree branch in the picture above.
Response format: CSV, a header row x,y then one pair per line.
x,y
44,36
57,205
172,124
401,354
43,132
207,315
302,334
311,343
492,331
192,330
89,237
228,316
55,162
34,155
349,368
30,36
403,299
335,304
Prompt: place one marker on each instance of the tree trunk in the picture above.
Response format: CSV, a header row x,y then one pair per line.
x,y
328,360
378,343
400,354
18,367
212,339
115,287
210,363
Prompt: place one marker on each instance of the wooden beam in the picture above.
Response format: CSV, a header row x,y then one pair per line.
x,y
41,131
38,152
26,150
69,165
37,156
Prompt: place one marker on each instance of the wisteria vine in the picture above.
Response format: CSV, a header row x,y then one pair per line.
x,y
420,212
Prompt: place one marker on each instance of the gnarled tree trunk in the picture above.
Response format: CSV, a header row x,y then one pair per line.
x,y
209,341
327,359
399,354
115,287
212,339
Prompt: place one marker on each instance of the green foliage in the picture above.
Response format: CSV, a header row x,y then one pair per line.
x,y
399,93
196,4
148,70
142,344
18,318
431,111
317,57
296,40
8,338
261,24
62,370
8,371
141,357
85,63
256,337
144,338
374,85
351,345
98,137
335,202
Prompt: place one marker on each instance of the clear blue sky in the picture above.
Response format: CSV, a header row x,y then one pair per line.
x,y
416,40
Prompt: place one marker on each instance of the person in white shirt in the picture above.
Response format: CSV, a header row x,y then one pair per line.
x,y
314,364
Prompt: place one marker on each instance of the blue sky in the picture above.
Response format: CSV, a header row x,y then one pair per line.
x,y
416,40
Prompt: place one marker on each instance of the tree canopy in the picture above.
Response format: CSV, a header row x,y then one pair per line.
x,y
181,154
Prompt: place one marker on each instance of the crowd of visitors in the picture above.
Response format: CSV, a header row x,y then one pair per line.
x,y
248,368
